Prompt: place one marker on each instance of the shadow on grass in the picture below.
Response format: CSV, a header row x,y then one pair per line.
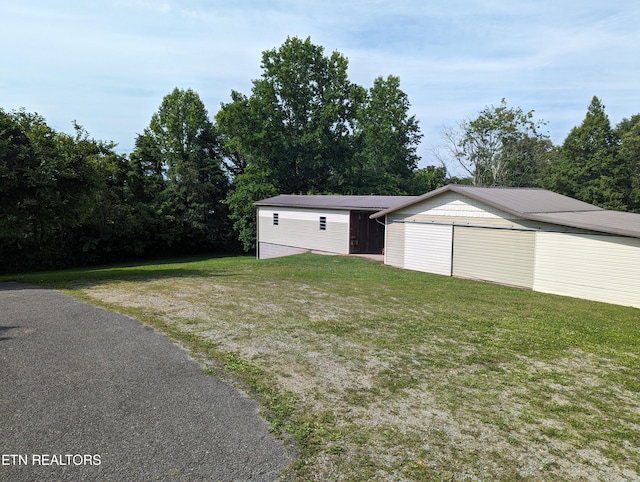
x,y
147,270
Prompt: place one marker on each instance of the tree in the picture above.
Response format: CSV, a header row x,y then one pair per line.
x,y
48,190
297,122
495,148
306,128
181,146
587,168
528,165
387,139
252,185
628,132
293,134
428,179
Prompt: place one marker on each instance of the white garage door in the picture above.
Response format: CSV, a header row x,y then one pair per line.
x,y
428,248
499,255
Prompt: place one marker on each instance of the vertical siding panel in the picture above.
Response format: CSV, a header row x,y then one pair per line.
x,y
428,248
593,267
394,244
497,255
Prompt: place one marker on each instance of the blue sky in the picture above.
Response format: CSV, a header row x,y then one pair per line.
x,y
107,64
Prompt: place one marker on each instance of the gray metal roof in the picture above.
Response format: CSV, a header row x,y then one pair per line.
x,y
540,205
352,203
604,221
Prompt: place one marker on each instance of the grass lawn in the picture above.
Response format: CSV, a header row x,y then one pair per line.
x,y
385,374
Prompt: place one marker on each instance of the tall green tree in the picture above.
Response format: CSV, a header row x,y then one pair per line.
x,y
501,146
587,167
293,134
387,138
306,128
181,146
297,123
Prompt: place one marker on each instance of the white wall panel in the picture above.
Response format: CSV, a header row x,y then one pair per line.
x,y
428,248
594,267
394,243
498,255
300,228
454,205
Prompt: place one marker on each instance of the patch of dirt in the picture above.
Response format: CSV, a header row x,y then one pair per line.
x,y
522,414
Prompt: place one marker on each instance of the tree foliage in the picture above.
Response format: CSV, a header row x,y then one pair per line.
x,y
179,153
502,146
49,184
306,128
588,167
386,139
628,155
296,124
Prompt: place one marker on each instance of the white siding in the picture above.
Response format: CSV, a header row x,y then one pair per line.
x,y
300,228
594,267
499,255
268,250
454,205
394,243
428,248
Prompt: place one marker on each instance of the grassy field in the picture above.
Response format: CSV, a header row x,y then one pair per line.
x,y
385,374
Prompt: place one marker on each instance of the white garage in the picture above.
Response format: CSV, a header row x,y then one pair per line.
x,y
530,238
293,224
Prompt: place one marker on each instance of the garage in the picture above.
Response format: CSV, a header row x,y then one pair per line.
x,y
525,237
293,224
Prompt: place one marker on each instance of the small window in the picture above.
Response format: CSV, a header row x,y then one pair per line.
x,y
323,223
276,219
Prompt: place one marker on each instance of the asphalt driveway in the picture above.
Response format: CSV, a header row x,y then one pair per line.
x,y
87,394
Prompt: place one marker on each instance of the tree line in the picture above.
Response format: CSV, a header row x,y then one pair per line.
x,y
190,183
504,146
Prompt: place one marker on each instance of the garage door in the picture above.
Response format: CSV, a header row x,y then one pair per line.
x,y
499,255
428,248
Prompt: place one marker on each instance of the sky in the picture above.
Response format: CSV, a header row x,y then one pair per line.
x,y
107,64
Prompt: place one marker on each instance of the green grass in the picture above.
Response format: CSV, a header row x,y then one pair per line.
x,y
385,374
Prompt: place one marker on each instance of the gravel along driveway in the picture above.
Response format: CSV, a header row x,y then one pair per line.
x,y
87,394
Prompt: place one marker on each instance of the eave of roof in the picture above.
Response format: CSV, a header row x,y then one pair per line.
x,y
517,201
603,221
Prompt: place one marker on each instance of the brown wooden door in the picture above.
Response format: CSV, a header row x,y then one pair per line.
x,y
366,236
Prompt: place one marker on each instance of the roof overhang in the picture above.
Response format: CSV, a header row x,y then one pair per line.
x,y
348,203
539,205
